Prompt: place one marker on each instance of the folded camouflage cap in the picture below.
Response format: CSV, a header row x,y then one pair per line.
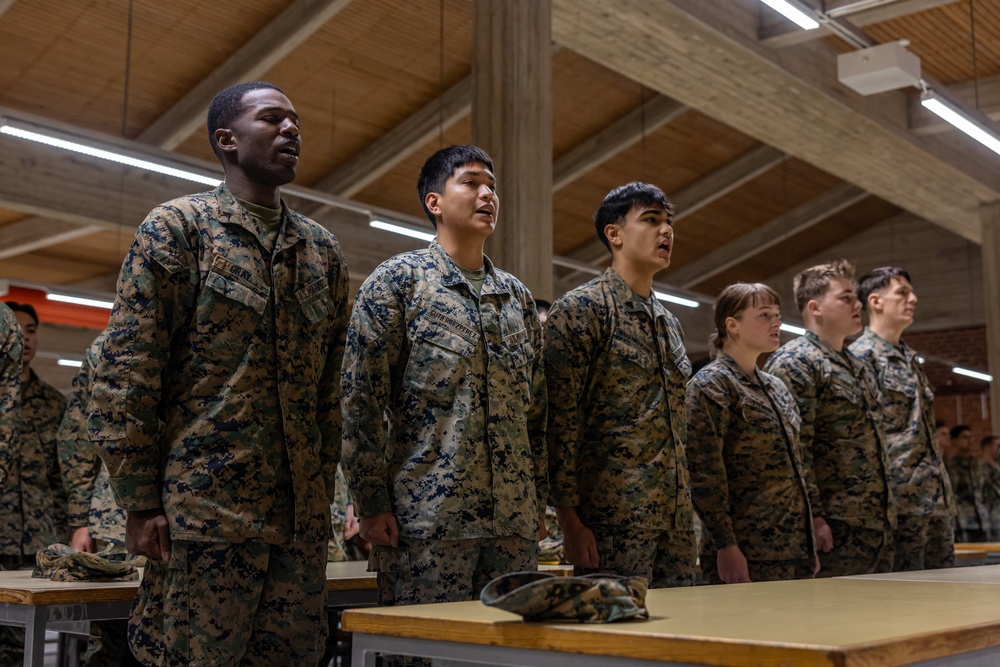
x,y
60,562
593,598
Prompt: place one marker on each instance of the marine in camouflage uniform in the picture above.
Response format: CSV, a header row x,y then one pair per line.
x,y
969,479
615,372
747,482
460,460
844,452
11,639
924,538
216,402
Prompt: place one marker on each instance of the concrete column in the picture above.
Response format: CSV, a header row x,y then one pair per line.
x,y
512,121
990,219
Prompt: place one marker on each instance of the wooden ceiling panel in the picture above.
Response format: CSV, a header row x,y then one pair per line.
x,y
815,240
70,64
10,217
764,199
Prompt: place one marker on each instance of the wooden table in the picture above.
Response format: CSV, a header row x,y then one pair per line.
x,y
992,549
981,574
842,622
38,605
965,557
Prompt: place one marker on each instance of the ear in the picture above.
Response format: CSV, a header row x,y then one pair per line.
x,y
226,140
433,202
874,302
732,327
812,307
614,234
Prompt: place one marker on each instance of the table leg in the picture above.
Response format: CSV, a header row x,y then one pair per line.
x,y
34,636
363,651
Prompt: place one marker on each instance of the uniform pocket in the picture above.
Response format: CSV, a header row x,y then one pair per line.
x,y
229,311
314,300
395,578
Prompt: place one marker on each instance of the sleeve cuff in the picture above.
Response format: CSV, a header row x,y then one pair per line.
x,y
136,493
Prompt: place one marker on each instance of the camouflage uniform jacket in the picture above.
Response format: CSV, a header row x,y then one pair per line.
x,y
745,462
91,502
970,479
33,502
616,424
919,480
216,395
844,451
10,388
444,401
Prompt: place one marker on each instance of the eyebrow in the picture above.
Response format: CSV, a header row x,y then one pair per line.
x,y
273,109
477,172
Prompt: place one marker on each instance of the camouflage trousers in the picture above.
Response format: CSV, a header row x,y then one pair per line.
x,y
664,558
219,605
447,570
760,570
923,542
108,645
12,639
856,550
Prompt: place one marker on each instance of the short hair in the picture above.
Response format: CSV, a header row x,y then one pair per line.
x,y
23,308
940,423
731,302
988,439
877,280
442,165
958,429
623,199
542,305
227,105
814,282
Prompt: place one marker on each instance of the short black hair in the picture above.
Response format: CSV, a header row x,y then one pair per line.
x,y
439,168
958,429
227,105
877,280
621,200
23,308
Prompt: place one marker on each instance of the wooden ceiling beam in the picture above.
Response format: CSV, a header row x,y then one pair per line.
x,y
33,234
252,60
785,226
5,5
705,54
628,130
709,188
777,33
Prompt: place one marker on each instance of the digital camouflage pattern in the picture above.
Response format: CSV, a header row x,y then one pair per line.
x,y
744,458
424,571
616,425
550,550
337,547
216,395
33,501
10,387
444,401
919,479
91,501
664,558
844,451
969,479
60,562
185,598
595,598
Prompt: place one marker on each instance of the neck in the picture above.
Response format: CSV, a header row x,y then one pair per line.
x,y
744,357
25,373
886,330
255,193
464,251
836,341
639,281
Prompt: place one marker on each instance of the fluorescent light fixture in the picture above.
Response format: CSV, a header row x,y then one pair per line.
x,y
6,127
680,301
80,301
986,136
72,363
972,374
921,360
793,12
792,329
396,228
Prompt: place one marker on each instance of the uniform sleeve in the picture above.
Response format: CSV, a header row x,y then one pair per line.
x,y
328,409
374,340
10,388
570,338
799,377
708,414
538,411
78,460
156,292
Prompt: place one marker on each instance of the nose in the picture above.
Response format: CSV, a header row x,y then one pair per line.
x,y
289,128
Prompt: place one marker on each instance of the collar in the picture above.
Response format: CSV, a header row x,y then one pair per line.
x,y
230,212
735,369
902,350
452,275
632,301
844,357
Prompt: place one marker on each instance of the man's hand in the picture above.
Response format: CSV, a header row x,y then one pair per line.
x,y
824,536
380,530
543,532
147,534
81,540
351,526
579,543
732,565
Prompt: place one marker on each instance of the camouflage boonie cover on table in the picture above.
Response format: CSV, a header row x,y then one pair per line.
x,y
593,598
60,562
